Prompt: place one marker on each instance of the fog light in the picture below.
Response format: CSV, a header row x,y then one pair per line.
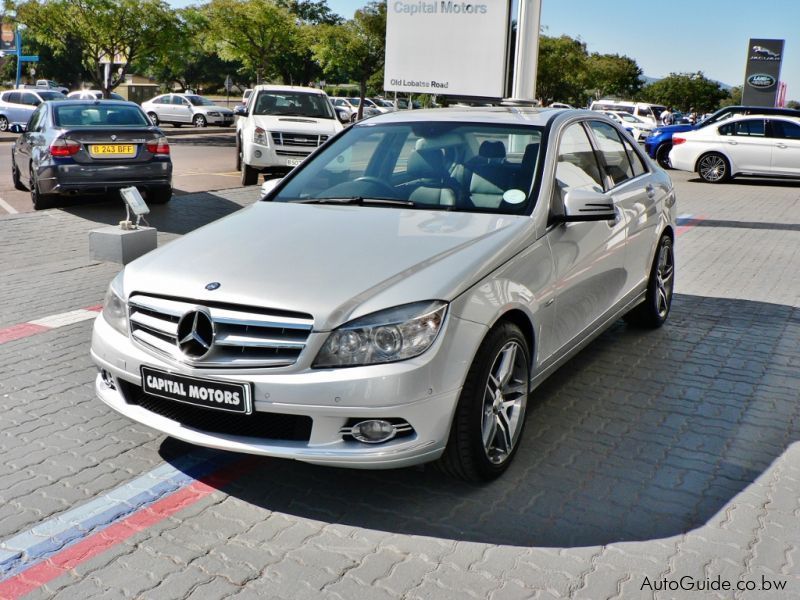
x,y
108,380
258,153
373,431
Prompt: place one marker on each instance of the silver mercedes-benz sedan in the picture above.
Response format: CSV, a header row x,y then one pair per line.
x,y
397,298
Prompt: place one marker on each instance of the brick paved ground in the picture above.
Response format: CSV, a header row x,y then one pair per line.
x,y
658,455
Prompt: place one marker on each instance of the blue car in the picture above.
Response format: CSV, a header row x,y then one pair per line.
x,y
659,142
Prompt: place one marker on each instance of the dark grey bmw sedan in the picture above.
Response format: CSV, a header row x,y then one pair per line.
x,y
94,146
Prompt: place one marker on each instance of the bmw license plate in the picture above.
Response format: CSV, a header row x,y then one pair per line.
x,y
208,393
112,150
293,162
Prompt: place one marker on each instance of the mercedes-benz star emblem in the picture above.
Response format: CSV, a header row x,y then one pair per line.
x,y
196,333
214,285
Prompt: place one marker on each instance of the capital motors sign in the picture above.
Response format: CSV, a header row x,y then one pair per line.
x,y
762,73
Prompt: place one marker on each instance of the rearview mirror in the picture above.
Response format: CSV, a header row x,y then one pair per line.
x,y
587,205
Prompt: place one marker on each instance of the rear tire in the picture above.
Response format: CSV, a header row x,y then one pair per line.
x,y
490,416
4,124
714,168
654,311
662,156
40,201
160,195
249,175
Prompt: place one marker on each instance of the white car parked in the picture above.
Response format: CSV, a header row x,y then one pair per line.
x,y
767,145
282,126
396,298
186,109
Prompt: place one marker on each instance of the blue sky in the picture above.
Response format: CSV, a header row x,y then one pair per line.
x,y
708,36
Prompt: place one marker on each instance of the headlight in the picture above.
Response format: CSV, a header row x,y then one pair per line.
x,y
655,132
387,336
213,114
260,136
115,311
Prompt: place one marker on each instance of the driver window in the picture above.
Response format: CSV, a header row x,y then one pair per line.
x,y
576,167
30,99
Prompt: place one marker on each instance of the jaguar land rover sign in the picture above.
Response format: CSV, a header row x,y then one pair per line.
x,y
446,47
764,59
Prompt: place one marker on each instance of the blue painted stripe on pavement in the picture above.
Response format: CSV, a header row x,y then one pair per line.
x,y
20,551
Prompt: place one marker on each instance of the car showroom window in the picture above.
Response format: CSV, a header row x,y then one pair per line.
x,y
576,166
615,158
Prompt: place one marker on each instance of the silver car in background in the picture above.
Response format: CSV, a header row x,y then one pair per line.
x,y
396,298
186,109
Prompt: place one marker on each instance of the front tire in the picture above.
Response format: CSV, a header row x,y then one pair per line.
x,y
199,121
154,118
654,311
249,175
238,153
714,168
4,124
662,156
490,415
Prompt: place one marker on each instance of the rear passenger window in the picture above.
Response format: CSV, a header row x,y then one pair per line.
x,y
750,127
615,158
14,98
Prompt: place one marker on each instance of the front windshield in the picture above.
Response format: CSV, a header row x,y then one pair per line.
x,y
294,104
199,101
355,101
473,167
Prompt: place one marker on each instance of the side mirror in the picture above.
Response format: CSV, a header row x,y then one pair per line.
x,y
17,128
268,186
342,116
587,205
240,110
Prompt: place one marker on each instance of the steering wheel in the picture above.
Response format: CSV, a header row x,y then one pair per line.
x,y
384,188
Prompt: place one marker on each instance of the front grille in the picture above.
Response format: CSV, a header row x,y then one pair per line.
x,y
298,139
270,426
296,153
244,336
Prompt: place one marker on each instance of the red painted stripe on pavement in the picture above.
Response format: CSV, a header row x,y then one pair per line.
x,y
72,556
95,308
16,332
690,224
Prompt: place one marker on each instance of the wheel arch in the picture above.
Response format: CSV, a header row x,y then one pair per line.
x,y
521,319
731,164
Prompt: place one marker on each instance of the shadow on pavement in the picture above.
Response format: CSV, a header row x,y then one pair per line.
x,y
643,435
757,181
182,214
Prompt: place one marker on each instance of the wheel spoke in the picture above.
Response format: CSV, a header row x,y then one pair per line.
x,y
504,431
489,429
506,367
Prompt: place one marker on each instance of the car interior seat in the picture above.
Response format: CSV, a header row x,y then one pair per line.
x,y
429,180
488,176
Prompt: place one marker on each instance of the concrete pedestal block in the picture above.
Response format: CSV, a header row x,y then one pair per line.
x,y
113,244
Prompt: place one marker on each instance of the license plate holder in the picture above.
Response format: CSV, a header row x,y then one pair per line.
x,y
213,394
112,150
293,162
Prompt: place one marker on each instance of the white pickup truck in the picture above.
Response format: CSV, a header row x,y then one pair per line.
x,y
51,85
281,127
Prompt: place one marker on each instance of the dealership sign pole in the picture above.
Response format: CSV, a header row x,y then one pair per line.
x,y
763,72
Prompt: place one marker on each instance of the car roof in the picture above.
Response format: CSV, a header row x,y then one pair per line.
x,y
780,117
501,115
287,88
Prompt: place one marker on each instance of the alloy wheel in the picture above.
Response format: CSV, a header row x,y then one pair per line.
x,y
664,280
712,168
504,402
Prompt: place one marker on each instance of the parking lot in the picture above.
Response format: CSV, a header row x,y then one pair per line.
x,y
649,457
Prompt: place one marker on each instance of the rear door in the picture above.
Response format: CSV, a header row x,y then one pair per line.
x,y
747,145
786,147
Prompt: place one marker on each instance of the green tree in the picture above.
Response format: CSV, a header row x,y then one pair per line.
x,y
101,29
686,91
356,48
297,64
734,97
793,104
562,72
613,75
253,32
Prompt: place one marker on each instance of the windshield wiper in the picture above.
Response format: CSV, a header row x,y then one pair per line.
x,y
360,200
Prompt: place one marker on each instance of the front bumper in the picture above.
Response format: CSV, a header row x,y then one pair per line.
x,y
77,177
219,120
423,391
272,157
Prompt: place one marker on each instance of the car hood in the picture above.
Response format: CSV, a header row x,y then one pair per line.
x,y
297,124
219,109
335,263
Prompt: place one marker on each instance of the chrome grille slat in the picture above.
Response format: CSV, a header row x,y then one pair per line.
x,y
307,140
245,337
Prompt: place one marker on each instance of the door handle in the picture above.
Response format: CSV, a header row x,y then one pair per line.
x,y
651,191
781,145
733,143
